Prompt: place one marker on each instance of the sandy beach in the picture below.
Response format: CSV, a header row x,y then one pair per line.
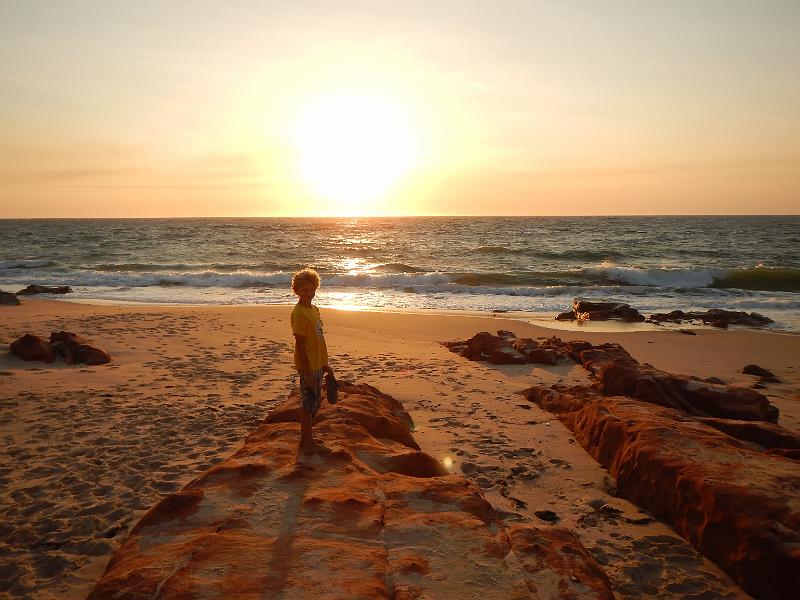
x,y
87,450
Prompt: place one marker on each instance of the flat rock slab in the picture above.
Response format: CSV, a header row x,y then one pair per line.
x,y
373,517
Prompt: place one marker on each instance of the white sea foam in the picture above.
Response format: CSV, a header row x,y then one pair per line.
x,y
22,263
657,277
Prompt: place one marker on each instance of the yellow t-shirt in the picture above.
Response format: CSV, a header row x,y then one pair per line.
x,y
307,322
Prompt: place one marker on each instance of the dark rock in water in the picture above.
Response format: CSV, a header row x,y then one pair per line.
x,y
585,310
579,305
8,299
507,335
45,289
716,317
687,331
756,370
32,347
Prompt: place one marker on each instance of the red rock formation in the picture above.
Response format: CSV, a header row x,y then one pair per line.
x,y
620,374
372,518
734,502
32,347
508,350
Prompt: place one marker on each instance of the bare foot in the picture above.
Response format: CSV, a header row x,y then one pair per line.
x,y
313,448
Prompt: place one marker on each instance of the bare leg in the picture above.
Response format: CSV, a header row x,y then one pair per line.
x,y
307,442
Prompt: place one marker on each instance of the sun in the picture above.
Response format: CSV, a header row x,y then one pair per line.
x,y
353,148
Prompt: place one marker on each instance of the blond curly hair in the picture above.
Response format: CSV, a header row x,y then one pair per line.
x,y
305,276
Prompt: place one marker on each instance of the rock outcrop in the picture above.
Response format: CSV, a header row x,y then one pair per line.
x,y
504,349
715,317
32,347
8,299
618,373
74,349
728,487
44,289
371,518
71,347
586,310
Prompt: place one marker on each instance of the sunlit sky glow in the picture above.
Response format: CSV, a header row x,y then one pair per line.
x,y
245,108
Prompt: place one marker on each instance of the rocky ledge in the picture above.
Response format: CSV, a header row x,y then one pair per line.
x,y
730,486
373,517
617,372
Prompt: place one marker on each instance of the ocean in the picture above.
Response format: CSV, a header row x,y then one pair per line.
x,y
534,265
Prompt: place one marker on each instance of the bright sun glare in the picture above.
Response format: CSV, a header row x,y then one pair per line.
x,y
353,148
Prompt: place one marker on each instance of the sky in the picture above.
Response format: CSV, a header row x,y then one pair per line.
x,y
240,108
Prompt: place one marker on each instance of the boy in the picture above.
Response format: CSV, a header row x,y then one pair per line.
x,y
310,354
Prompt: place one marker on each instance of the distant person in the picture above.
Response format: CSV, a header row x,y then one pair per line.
x,y
310,354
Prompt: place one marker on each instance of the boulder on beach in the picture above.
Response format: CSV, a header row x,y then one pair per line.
x,y
45,289
32,347
70,346
74,349
8,299
372,517
752,369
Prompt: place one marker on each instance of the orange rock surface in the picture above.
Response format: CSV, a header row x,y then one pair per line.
x,y
373,517
734,498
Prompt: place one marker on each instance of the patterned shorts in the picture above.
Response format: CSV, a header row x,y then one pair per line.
x,y
311,391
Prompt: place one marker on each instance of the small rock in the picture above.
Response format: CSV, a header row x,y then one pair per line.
x,y
547,515
756,370
8,299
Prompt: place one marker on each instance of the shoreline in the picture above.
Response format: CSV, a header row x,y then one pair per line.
x,y
545,320
90,448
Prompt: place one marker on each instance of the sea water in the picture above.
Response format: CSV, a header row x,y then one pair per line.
x,y
535,265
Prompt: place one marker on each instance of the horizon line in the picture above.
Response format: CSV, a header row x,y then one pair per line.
x,y
406,216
